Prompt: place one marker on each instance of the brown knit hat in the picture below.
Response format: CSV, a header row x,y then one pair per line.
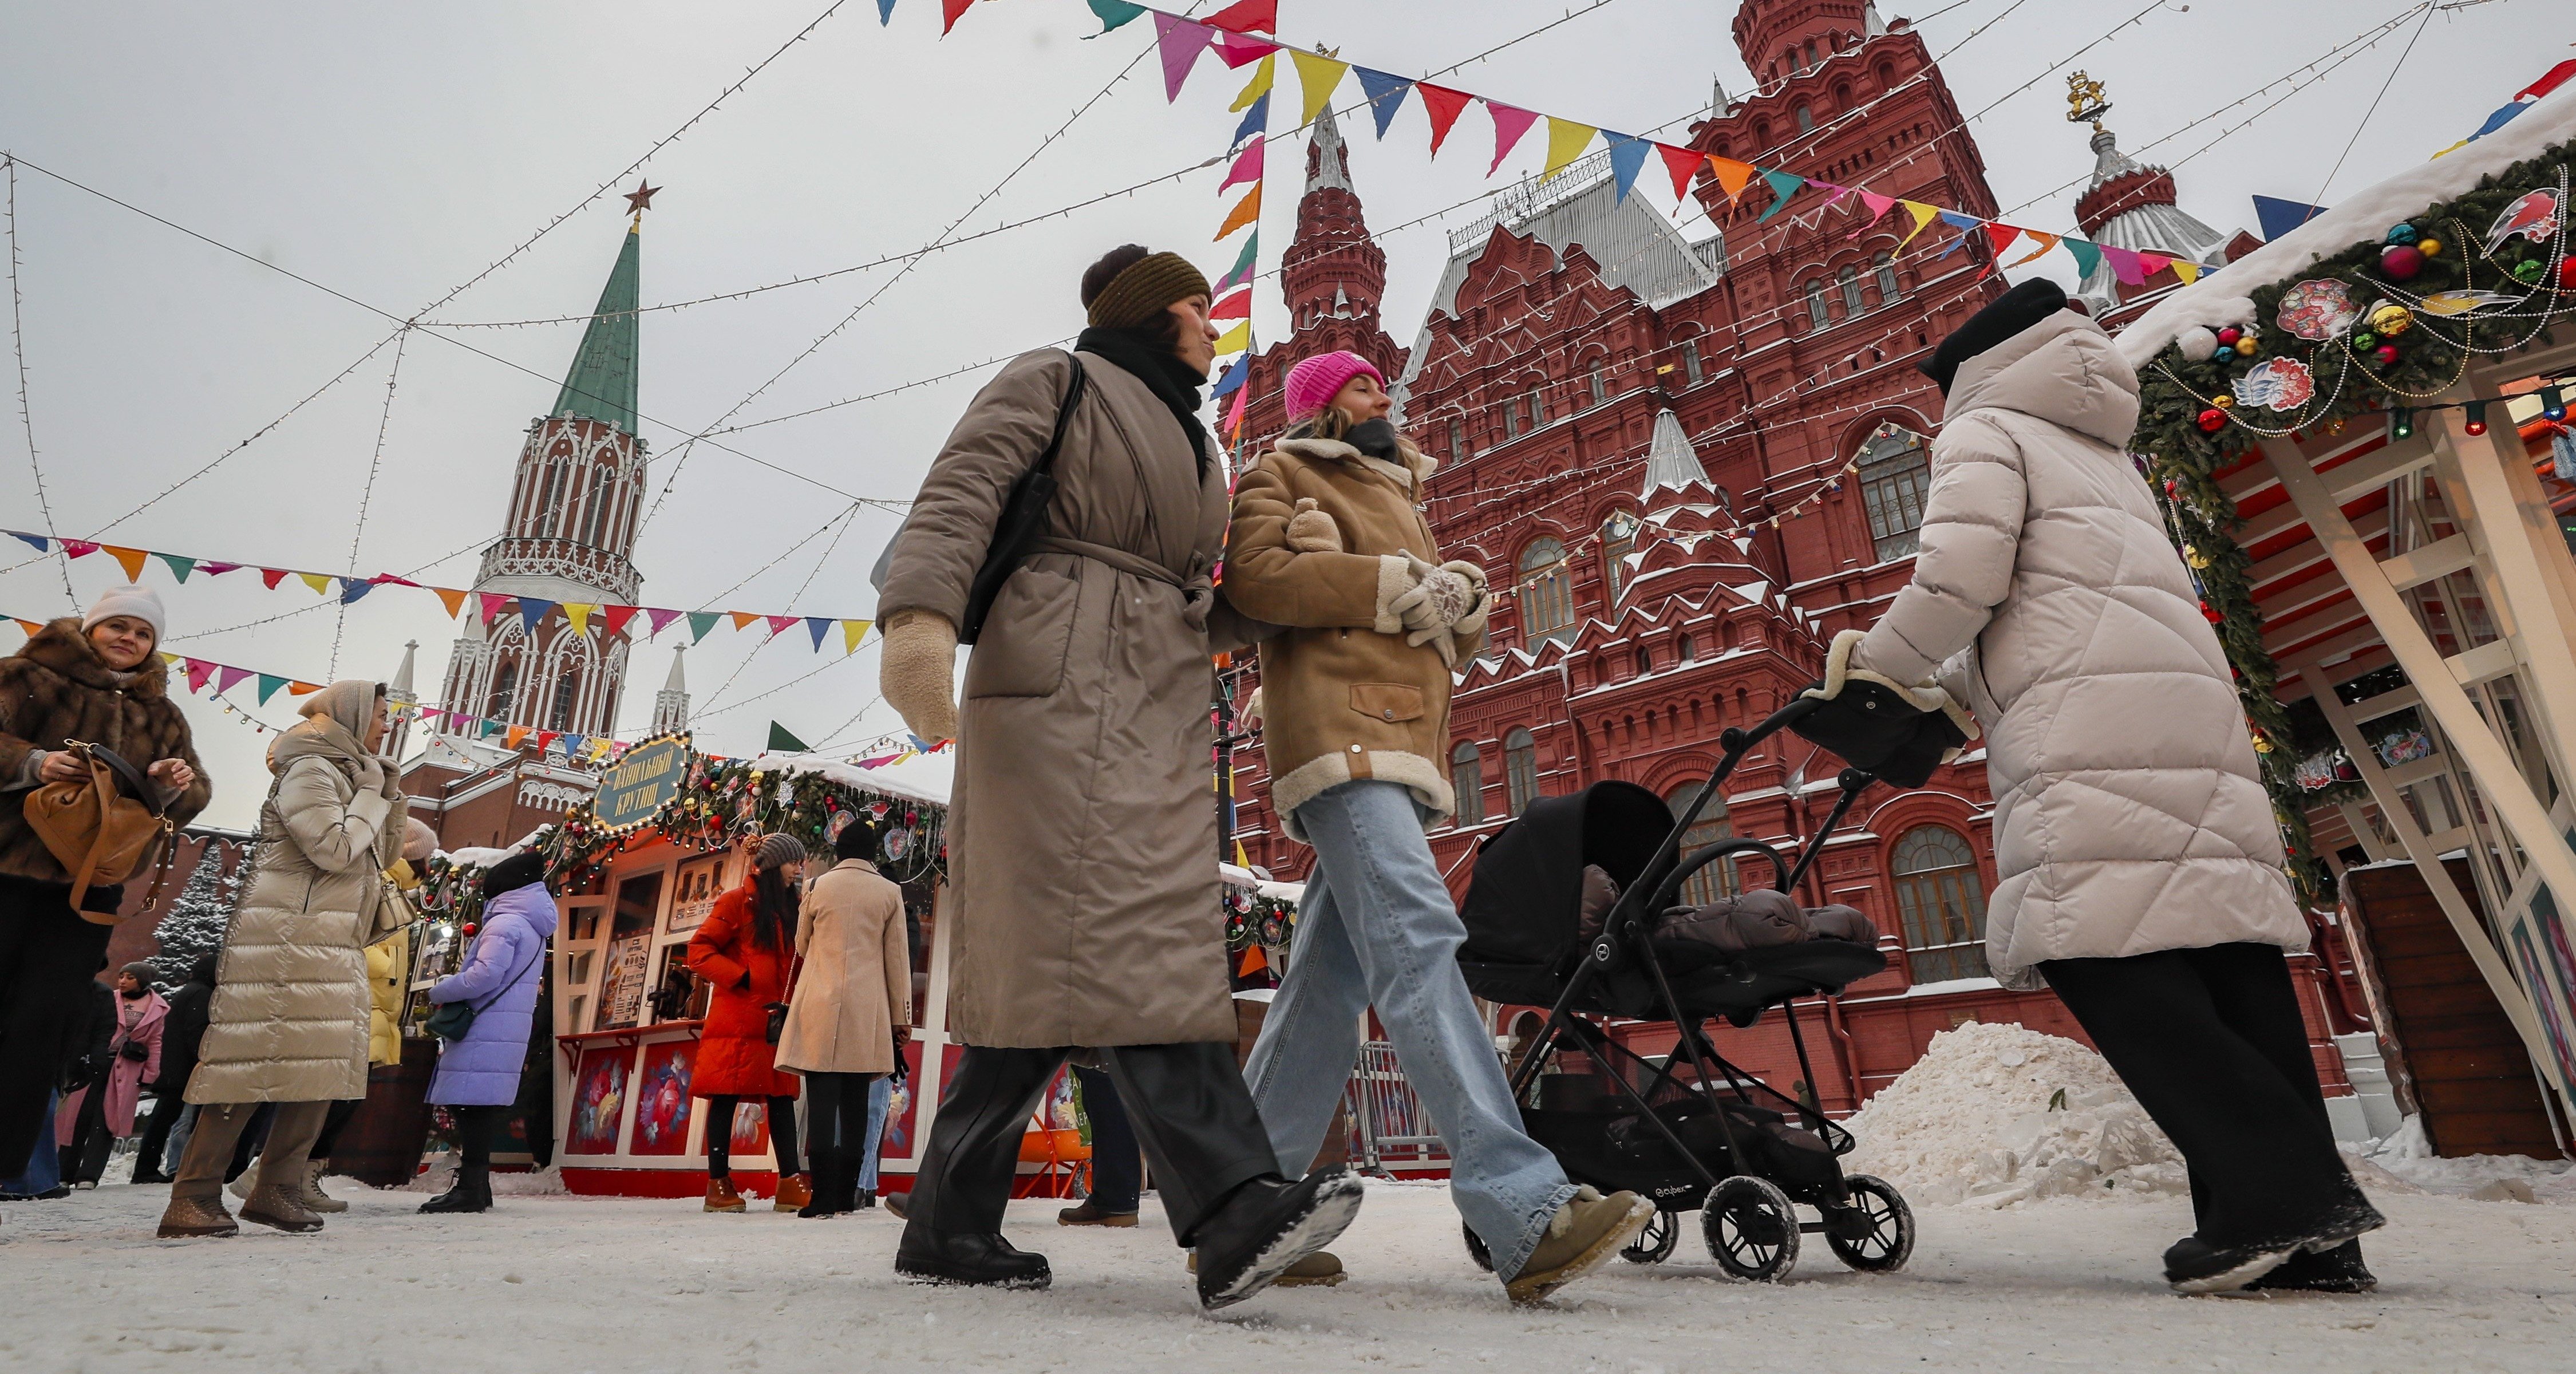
x,y
1137,296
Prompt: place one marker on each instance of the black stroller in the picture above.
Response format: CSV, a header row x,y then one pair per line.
x,y
1694,1131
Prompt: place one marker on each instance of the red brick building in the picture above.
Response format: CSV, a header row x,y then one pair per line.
x,y
1686,462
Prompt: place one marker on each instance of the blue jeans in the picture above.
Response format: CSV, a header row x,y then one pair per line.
x,y
44,1163
1377,928
880,1094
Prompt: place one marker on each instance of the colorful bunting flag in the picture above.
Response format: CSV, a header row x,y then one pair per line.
x,y
1255,121
1235,50
818,625
226,676
1235,307
778,623
702,621
1241,272
1627,158
198,671
1783,185
574,741
38,541
949,10
1246,211
1247,165
1923,215
660,618
180,565
532,611
1442,105
319,582
852,631
1878,205
1999,237
1234,377
1566,141
2125,266
2186,269
743,620
490,603
1180,41
302,689
1234,417
2086,255
517,733
268,687
546,740
579,614
1235,340
1732,176
1258,87
78,548
885,12
352,588
1684,164
1248,16
1318,76
1112,13
129,559
1510,122
452,597
1385,93
2046,241
616,617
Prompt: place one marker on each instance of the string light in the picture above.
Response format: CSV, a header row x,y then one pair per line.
x,y
2477,412
2553,403
2401,423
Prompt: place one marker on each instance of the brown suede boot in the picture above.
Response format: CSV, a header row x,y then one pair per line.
x,y
276,1204
795,1191
721,1196
196,1216
312,1196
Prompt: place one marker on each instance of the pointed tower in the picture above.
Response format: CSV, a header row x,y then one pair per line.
x,y
2128,205
406,701
567,540
671,704
1332,276
1671,462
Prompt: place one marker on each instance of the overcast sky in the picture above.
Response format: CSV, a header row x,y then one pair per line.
x,y
392,152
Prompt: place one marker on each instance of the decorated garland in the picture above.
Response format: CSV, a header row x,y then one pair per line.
x,y
2383,326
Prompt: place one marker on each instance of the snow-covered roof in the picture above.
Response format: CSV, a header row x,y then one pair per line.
x,y
2226,296
920,777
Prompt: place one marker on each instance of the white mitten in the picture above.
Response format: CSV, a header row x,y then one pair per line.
x,y
1310,530
1437,600
917,672
1471,624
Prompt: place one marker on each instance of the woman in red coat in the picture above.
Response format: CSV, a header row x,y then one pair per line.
x,y
745,951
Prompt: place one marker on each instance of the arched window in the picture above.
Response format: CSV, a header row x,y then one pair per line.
x,y
1645,660
1849,278
1943,904
545,521
1511,419
1888,289
1538,406
1806,120
1618,540
1458,450
599,494
1895,474
567,689
1690,361
505,687
1520,769
1547,600
1816,317
1600,383
1689,650
1720,879
1467,779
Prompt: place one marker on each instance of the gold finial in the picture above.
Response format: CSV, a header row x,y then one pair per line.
x,y
2084,101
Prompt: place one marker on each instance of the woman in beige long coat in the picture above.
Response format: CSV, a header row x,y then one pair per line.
x,y
1082,831
850,1011
288,1023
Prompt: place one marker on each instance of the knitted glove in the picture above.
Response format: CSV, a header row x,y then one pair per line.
x,y
1312,531
1471,624
1438,599
917,672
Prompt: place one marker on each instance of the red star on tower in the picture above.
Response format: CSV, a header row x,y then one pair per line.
x,y
640,199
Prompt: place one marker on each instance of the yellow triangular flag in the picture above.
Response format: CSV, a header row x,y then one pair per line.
x,y
1246,211
1566,141
1262,75
1320,76
1235,340
852,631
319,582
169,658
2046,242
741,619
1924,215
579,614
129,559
2186,269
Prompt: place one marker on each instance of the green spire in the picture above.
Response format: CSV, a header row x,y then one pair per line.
x,y
601,385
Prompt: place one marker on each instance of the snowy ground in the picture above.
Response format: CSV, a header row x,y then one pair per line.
x,y
561,1285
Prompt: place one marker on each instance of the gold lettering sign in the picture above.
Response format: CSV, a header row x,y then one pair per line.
x,y
635,790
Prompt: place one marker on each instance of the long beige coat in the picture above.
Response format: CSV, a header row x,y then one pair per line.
x,y
289,1018
855,985
2129,815
1082,828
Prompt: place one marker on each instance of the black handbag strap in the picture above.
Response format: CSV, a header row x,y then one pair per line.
x,y
1064,413
130,780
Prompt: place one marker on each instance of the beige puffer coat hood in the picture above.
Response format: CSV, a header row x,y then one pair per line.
x,y
2129,815
289,1020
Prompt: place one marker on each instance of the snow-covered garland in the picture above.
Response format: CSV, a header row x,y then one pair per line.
x,y
721,801
2382,326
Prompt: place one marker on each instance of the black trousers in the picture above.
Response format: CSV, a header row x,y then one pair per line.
x,y
836,1129
2212,1043
1187,1103
167,1103
1117,1171
476,1128
337,1120
85,1159
48,955
782,1135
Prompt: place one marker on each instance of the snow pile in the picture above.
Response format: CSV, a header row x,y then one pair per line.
x,y
2408,1158
2002,1114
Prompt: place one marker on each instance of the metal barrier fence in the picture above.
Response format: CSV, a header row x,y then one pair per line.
x,y
1388,1128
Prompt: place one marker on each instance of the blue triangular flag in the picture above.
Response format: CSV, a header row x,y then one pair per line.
x,y
885,12
1234,377
41,543
1783,186
1627,156
1385,93
351,588
531,611
2278,217
573,744
1255,120
819,624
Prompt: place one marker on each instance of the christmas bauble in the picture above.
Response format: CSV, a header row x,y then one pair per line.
x,y
2212,420
2401,233
2567,273
472,926
2400,262
2227,337
2223,402
2245,347
2385,353
2197,344
2527,270
2431,248
2364,339
2392,320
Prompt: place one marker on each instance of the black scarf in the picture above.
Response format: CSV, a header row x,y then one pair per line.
x,y
1151,360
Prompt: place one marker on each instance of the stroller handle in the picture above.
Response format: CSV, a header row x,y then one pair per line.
x,y
1672,885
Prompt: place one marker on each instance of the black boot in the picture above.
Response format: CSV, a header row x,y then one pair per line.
x,y
472,1191
834,1185
953,1227
2338,1270
1266,1226
864,1199
968,1258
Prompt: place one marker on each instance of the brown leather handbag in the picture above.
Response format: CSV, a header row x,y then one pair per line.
x,y
104,828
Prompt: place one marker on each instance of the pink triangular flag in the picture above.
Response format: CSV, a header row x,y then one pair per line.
x,y
778,623
1878,204
1509,124
226,675
2152,263
198,671
1239,51
1247,167
660,617
492,603
2125,265
1180,42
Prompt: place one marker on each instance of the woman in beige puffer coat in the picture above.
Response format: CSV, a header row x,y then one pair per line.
x,y
288,1023
2140,862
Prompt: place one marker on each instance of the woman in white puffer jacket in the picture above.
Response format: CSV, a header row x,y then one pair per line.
x,y
2139,860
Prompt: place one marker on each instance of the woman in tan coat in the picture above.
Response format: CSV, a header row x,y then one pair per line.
x,y
850,1012
1329,540
1082,832
288,1023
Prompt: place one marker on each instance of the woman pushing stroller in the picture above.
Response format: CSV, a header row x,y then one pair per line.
x,y
1329,541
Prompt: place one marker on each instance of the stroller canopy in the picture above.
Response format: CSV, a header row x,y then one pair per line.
x,y
1524,901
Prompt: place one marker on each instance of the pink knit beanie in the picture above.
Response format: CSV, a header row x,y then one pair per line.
x,y
1313,383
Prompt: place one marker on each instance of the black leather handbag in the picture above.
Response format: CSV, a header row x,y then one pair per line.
x,y
1023,521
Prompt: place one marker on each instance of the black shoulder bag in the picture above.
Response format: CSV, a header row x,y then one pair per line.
x,y
453,1020
1024,519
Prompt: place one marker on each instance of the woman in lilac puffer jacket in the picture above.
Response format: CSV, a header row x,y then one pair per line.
x,y
478,1076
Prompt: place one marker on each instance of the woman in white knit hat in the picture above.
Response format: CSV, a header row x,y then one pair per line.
x,y
92,678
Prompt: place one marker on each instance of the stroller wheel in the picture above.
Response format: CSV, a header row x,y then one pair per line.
x,y
1751,1231
1654,1244
1876,1233
1476,1250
